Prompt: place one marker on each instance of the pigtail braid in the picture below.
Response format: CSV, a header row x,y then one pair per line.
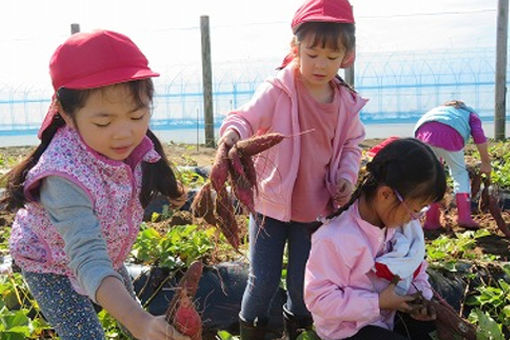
x,y
159,178
368,183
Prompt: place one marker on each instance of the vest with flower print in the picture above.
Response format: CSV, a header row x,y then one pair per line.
x,y
112,186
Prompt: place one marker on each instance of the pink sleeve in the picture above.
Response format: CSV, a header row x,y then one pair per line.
x,y
255,115
476,129
350,158
327,290
421,281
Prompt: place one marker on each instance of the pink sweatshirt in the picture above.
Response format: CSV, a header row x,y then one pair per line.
x,y
274,108
310,197
341,288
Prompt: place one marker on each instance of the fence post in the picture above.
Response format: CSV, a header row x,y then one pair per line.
x,y
501,60
75,28
207,81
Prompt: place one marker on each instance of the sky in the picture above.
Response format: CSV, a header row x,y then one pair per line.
x,y
242,32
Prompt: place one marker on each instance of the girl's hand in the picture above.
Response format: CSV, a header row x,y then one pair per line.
x,y
426,312
114,297
156,328
485,168
344,189
229,138
388,299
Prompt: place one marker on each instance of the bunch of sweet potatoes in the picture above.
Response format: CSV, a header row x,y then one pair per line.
x,y
234,164
181,312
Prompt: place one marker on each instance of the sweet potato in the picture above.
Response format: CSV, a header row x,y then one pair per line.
x,y
251,173
241,186
476,181
220,168
181,312
225,217
186,320
490,203
244,192
258,144
236,165
449,324
203,204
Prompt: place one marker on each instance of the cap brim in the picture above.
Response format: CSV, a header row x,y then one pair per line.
x,y
110,77
322,18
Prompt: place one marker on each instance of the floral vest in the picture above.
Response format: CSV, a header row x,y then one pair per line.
x,y
112,186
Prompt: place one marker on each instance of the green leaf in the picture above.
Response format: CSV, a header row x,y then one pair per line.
x,y
224,335
488,329
308,335
15,319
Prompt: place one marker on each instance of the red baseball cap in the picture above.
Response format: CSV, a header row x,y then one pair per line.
x,y
339,11
375,149
95,59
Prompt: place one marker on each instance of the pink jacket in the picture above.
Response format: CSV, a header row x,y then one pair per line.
x,y
113,188
274,108
341,288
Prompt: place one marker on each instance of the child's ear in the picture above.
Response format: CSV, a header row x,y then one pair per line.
x,y
385,193
348,60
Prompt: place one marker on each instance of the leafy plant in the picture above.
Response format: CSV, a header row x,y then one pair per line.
x,y
444,251
165,214
493,300
177,248
308,335
190,179
488,329
224,335
19,313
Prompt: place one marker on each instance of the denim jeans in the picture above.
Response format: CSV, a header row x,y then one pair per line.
x,y
267,238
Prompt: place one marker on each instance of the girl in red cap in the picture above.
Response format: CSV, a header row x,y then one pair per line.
x,y
308,174
81,193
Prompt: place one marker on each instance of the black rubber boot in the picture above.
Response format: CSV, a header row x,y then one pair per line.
x,y
294,325
255,330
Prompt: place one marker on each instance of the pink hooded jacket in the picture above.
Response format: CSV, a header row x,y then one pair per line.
x,y
341,287
274,108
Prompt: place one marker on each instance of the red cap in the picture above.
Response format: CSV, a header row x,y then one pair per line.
x,y
95,59
375,149
339,11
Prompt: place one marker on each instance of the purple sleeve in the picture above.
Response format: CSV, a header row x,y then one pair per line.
x,y
476,129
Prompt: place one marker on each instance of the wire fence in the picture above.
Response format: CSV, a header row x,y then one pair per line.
x,y
400,86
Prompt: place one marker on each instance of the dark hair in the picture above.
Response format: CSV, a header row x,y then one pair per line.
x,y
327,34
406,165
72,100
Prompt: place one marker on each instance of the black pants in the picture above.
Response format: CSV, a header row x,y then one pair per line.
x,y
406,328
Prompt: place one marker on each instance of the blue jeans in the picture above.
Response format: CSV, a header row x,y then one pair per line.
x,y
267,243
72,315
